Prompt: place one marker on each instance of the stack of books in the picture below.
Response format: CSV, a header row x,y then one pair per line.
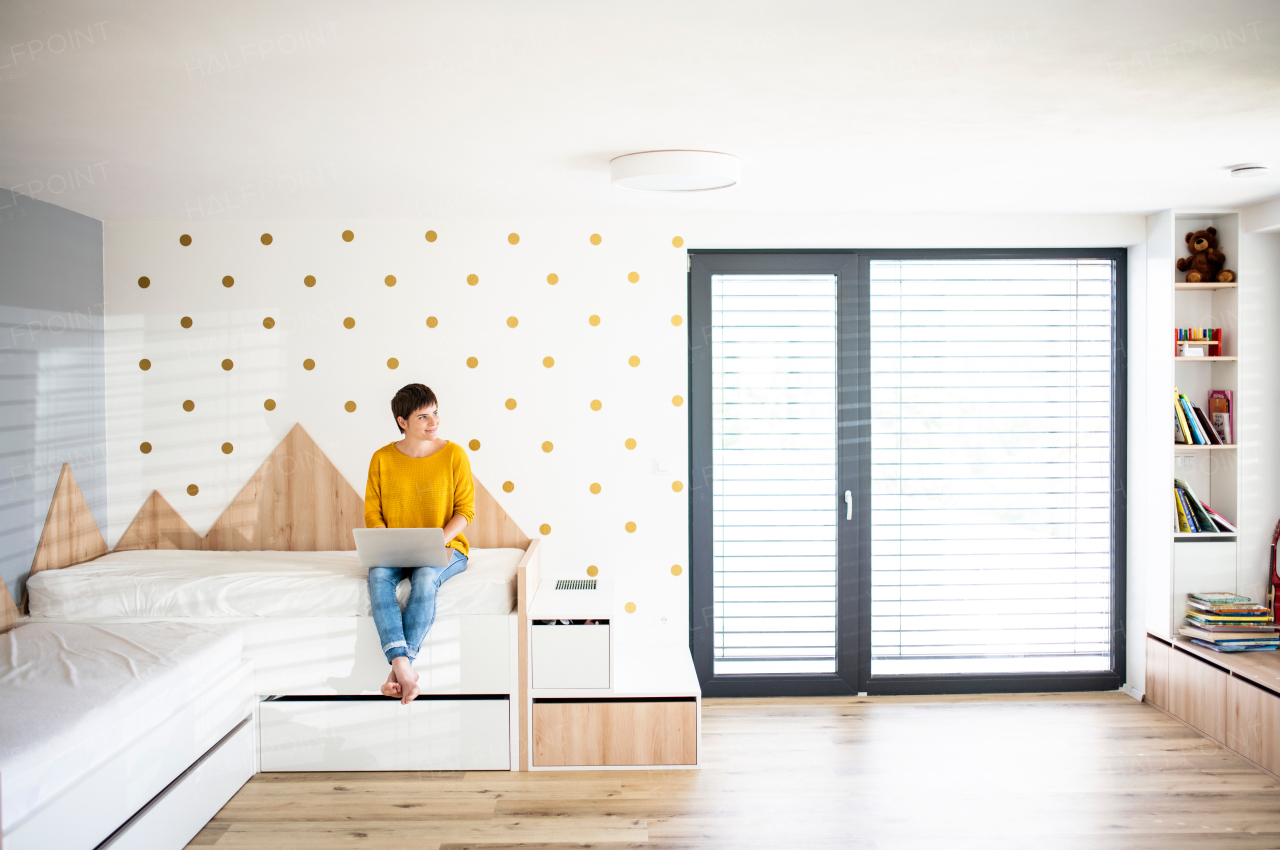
x,y
1225,622
1195,516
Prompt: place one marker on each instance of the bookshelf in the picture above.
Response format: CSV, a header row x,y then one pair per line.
x,y
1206,561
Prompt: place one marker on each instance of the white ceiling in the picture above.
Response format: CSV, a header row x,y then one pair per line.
x,y
417,109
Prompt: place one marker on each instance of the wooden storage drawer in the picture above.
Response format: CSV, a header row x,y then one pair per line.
x,y
579,733
1198,694
1157,690
382,734
1253,723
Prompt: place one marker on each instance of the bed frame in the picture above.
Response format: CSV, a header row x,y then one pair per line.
x,y
297,501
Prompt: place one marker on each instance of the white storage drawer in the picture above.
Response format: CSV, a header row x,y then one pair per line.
x,y
378,733
570,656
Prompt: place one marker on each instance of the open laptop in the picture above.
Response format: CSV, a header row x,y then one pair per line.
x,y
401,547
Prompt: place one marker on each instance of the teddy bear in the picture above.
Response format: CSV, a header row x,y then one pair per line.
x,y
1205,262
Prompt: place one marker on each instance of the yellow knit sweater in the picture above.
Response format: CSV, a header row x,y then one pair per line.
x,y
420,492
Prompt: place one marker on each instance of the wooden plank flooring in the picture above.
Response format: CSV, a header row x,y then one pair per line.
x,y
1051,771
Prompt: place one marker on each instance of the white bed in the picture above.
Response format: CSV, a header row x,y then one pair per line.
x,y
99,719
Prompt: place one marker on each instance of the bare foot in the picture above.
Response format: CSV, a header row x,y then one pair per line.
x,y
407,677
391,688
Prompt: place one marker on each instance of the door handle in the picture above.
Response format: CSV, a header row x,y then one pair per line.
x,y
848,504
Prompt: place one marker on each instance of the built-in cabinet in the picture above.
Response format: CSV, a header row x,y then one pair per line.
x,y
1228,701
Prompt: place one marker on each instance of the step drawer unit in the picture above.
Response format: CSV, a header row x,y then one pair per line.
x,y
570,643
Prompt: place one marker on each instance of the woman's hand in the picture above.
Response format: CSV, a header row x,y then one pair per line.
x,y
454,527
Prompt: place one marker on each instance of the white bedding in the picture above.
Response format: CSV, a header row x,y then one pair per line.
x,y
178,584
73,695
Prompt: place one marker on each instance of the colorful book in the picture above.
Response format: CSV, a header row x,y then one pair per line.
x,y
1203,522
1210,634
1220,414
1218,597
1192,424
1181,417
1184,524
1205,428
1219,520
1227,648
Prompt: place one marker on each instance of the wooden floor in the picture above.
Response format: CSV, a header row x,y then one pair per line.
x,y
1050,771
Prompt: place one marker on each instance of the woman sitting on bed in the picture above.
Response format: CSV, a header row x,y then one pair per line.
x,y
420,482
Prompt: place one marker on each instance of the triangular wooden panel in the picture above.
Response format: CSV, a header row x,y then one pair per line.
x,y
297,501
70,534
158,526
493,528
8,611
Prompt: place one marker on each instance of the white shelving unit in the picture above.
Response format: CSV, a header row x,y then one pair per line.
x,y
1206,561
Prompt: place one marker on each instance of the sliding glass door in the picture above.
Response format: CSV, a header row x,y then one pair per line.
x,y
907,471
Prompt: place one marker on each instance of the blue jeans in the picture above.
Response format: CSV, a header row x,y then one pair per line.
x,y
403,634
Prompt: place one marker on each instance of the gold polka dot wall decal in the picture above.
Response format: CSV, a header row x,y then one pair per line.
x,y
350,407
347,236
192,489
227,365
511,404
145,448
513,238
677,400
595,489
393,363
676,569
547,446
544,529
631,443
184,240
269,404
431,236
596,404
630,527
472,363
677,486
595,321
309,280
634,277
508,486
512,321
677,321
268,323
144,282
348,323
228,281
186,321
633,360
553,278
474,445
308,364
473,279
432,321
266,239
593,570
630,607
677,241
548,362
188,405
144,364
595,239
390,280
227,448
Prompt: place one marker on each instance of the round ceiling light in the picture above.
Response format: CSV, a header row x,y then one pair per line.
x,y
675,171
1248,170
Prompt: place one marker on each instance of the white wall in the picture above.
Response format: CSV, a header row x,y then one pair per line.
x,y
553,404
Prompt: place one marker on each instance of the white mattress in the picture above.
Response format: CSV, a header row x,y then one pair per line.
x,y
179,585
73,695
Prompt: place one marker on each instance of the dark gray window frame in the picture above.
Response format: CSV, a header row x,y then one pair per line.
x,y
853,676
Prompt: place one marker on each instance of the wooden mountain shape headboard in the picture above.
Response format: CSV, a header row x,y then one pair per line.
x,y
297,501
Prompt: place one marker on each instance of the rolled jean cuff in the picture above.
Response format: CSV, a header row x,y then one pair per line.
x,y
396,649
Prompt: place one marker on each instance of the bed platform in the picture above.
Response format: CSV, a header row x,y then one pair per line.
x,y
137,733
279,567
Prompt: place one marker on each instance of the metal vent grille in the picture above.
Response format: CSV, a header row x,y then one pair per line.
x,y
576,584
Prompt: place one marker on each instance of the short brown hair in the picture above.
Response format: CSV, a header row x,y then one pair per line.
x,y
409,398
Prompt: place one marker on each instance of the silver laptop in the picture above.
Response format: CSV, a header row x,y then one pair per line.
x,y
401,547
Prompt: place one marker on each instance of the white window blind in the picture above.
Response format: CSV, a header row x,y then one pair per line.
x,y
773,341
991,478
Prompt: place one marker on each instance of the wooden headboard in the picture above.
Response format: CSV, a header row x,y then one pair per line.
x,y
297,501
